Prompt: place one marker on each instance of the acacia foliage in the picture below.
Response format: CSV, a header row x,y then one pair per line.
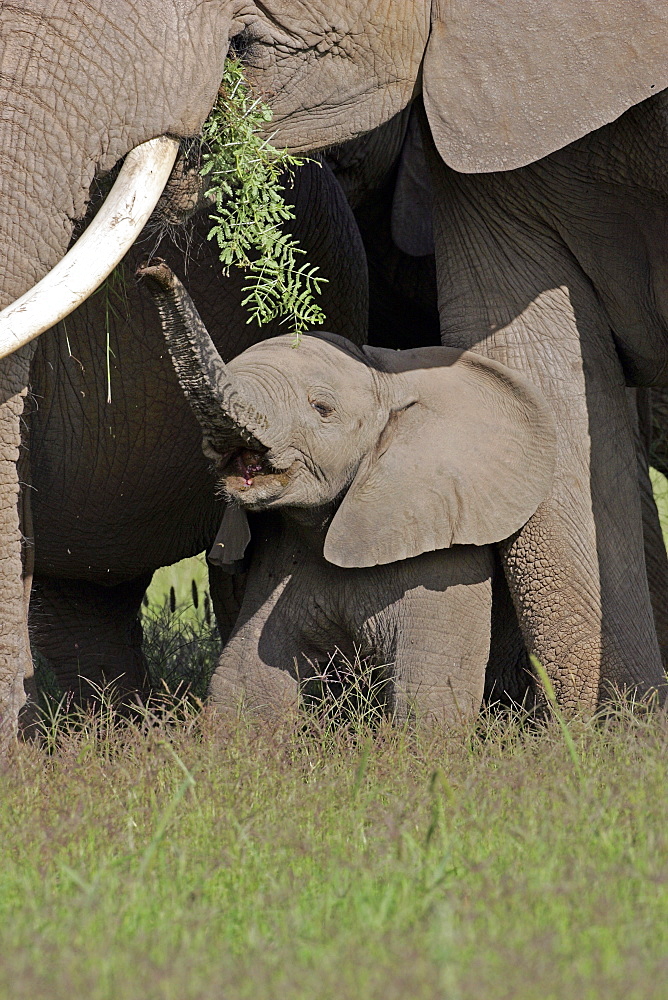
x,y
248,175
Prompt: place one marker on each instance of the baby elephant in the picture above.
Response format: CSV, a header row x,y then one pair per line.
x,y
375,481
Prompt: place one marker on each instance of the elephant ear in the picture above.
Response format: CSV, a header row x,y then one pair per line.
x,y
509,81
412,203
466,457
231,541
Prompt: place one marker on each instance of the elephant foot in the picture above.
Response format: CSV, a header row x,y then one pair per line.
x,y
269,693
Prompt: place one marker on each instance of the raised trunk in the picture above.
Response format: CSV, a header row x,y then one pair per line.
x,y
226,416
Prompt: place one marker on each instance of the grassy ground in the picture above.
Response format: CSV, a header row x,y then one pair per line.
x,y
180,857
183,858
181,641
183,589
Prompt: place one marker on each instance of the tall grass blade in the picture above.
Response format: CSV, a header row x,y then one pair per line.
x,y
563,725
167,815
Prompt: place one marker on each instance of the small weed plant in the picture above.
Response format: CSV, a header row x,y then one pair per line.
x,y
247,176
181,652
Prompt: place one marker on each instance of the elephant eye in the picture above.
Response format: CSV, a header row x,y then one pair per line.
x,y
324,409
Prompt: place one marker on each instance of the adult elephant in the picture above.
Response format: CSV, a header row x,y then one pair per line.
x,y
81,85
386,179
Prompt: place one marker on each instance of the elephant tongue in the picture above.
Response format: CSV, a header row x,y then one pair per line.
x,y
249,464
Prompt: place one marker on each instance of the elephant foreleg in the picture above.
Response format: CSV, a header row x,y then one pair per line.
x,y
656,558
15,659
257,668
659,432
90,635
227,594
508,678
246,679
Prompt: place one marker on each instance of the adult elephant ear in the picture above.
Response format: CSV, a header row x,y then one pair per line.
x,y
466,457
509,81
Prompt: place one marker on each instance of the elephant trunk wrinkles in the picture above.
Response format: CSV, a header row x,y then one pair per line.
x,y
227,419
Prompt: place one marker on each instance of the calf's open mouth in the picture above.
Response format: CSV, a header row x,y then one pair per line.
x,y
248,476
250,464
247,465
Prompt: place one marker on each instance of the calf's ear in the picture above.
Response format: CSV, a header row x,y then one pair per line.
x,y
466,457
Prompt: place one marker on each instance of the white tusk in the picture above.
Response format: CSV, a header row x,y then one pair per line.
x,y
120,219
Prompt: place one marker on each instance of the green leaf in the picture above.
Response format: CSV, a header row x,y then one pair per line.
x,y
246,171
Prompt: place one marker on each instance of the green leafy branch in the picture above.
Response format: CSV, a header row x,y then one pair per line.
x,y
245,171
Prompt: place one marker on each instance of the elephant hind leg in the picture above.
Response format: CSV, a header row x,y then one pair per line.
x,y
90,635
508,679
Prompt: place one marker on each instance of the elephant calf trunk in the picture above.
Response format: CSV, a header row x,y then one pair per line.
x,y
228,420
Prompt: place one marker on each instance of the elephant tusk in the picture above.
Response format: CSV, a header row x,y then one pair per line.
x,y
98,250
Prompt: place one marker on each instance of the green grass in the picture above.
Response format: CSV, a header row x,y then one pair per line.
x,y
181,641
177,587
195,859
660,488
183,857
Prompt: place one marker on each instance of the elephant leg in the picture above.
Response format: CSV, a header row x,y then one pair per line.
x,y
656,557
15,659
657,564
509,288
268,686
90,635
441,644
29,715
659,432
508,678
258,667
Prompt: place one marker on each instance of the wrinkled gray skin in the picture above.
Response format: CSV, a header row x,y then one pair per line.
x,y
518,254
580,321
657,405
121,487
375,481
651,450
386,180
